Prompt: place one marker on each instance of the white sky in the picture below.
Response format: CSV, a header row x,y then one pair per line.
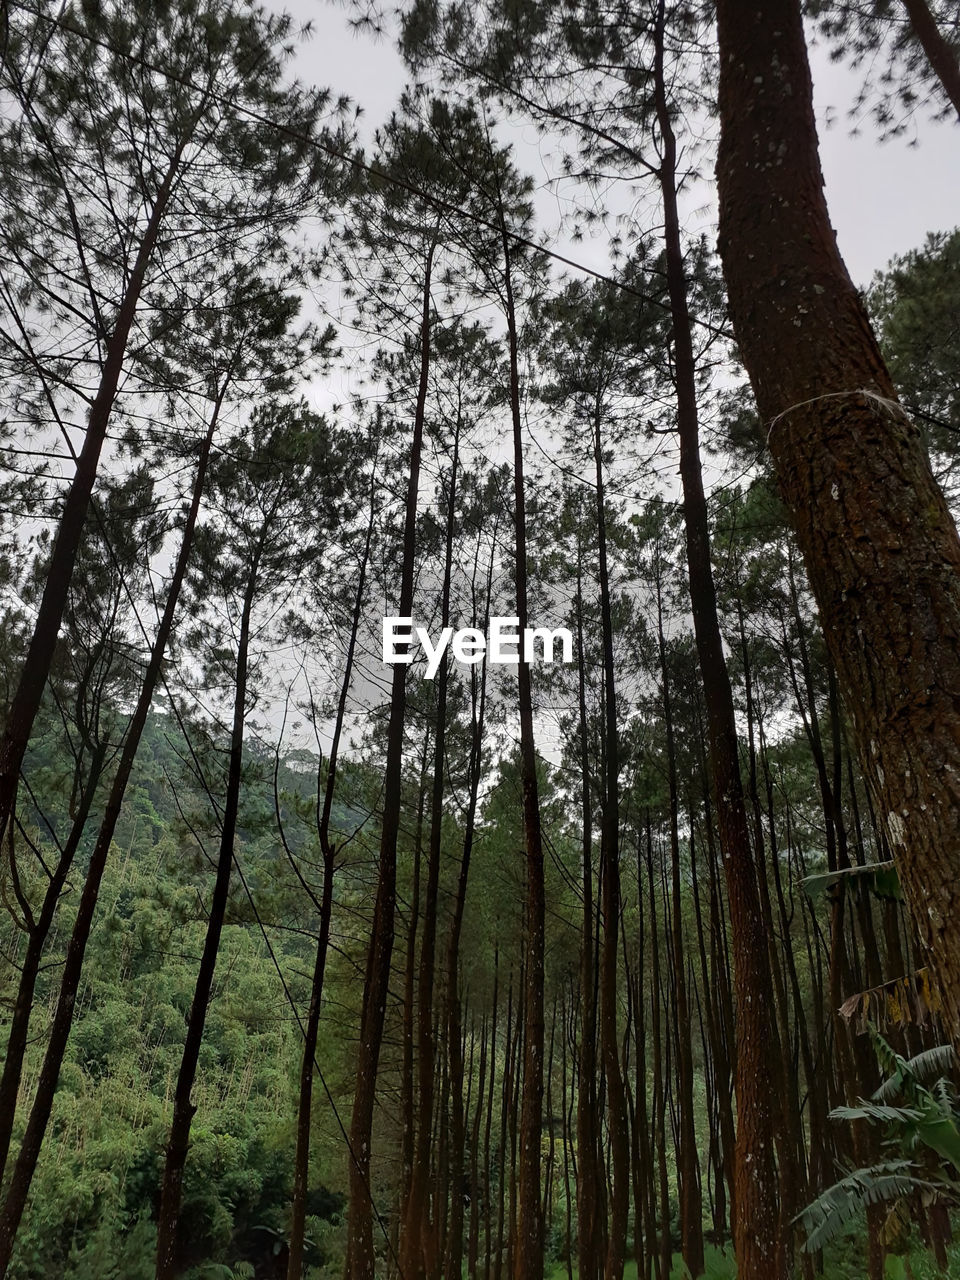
x,y
883,198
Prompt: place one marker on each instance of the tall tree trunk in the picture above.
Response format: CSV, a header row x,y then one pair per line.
x,y
360,1257
528,1251
419,1256
453,1258
663,1254
33,676
178,1144
506,1093
691,1201
488,1125
328,851
617,1132
29,1152
589,1253
880,546
757,1244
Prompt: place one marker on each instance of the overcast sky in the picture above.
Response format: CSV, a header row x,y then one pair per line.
x,y
883,198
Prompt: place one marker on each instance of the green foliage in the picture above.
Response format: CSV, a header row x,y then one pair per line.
x,y
915,304
926,1130
96,1186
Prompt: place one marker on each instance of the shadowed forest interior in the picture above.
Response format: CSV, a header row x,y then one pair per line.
x,y
635,957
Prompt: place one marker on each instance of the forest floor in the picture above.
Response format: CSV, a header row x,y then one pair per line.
x,y
845,1262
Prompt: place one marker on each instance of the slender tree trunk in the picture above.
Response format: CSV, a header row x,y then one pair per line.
x,y
757,1245
506,1093
589,1253
473,1233
360,1257
29,1152
691,1201
663,1254
178,1144
408,1115
33,676
453,1259
528,1252
37,932
617,1131
488,1126
419,1256
880,546
301,1160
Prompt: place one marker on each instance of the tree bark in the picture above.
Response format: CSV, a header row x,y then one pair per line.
x,y
453,1254
419,1256
37,931
617,1131
880,547
589,1251
528,1251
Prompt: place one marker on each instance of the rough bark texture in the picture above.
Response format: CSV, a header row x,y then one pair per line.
x,y
880,547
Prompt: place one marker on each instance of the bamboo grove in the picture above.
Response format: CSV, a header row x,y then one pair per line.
x,y
313,964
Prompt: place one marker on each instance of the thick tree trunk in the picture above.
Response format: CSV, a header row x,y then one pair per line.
x,y
880,547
